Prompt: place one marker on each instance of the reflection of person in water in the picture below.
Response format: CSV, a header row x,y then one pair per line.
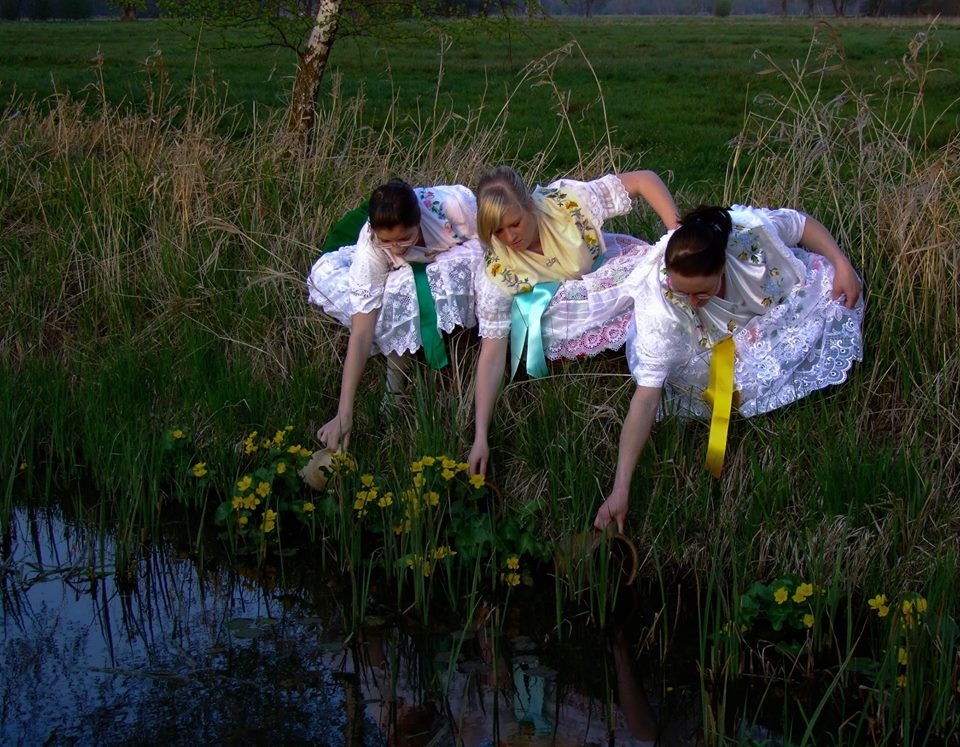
x,y
491,699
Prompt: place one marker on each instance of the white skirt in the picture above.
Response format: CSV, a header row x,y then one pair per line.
x,y
451,276
593,314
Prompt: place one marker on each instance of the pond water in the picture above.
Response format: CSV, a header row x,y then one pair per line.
x,y
186,650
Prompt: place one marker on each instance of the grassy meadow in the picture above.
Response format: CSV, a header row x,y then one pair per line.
x,y
156,225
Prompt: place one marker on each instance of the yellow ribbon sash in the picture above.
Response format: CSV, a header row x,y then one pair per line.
x,y
719,394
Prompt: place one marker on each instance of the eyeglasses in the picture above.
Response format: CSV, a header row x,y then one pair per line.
x,y
702,296
401,244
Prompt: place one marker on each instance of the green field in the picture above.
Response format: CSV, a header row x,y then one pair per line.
x,y
157,221
672,92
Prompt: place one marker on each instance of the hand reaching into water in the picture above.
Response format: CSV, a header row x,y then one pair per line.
x,y
614,509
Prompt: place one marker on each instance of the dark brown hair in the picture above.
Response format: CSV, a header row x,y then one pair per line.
x,y
698,248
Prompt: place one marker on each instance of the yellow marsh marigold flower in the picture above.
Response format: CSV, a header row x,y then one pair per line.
x,y
781,594
902,656
513,562
426,568
308,507
448,463
906,607
237,502
803,591
416,467
250,443
808,620
244,483
448,474
431,498
177,434
199,469
462,466
902,681
263,489
428,461
269,520
386,500
921,605
250,502
443,551
366,480
281,467
511,579
278,438
418,480
23,466
879,603
242,520
477,481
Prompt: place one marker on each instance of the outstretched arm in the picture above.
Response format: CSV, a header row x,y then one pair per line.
x,y
633,437
648,185
336,433
819,240
491,365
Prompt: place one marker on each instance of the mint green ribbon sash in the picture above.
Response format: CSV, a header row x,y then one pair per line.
x,y
526,312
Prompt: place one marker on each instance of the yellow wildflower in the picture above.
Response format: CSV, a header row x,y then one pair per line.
x,y
462,466
366,480
416,467
448,463
902,681
429,461
513,562
808,620
477,480
177,434
902,656
359,503
237,502
278,438
879,603
244,483
511,579
443,551
781,594
269,520
242,520
448,474
308,507
250,502
426,568
199,469
281,467
921,605
803,591
431,498
23,466
418,480
249,444
263,489
386,500
906,607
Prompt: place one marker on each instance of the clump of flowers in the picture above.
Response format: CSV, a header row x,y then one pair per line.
x,y
787,601
268,490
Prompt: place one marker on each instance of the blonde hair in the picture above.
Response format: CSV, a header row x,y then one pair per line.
x,y
499,189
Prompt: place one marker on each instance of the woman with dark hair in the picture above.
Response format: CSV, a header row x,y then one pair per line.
x,y
408,277
742,305
553,279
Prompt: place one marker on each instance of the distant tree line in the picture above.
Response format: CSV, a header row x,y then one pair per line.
x,y
42,10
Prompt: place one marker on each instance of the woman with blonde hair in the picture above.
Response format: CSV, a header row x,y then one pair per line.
x,y
553,280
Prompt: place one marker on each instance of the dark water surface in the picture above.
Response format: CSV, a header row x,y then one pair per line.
x,y
184,652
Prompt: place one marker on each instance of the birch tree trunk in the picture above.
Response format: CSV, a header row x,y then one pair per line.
x,y
313,61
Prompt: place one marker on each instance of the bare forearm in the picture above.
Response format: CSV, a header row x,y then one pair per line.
x,y
634,434
491,364
648,185
358,352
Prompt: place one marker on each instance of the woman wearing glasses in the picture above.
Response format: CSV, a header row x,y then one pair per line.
x,y
408,277
766,295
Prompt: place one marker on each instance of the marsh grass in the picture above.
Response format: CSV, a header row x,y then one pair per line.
x,y
152,276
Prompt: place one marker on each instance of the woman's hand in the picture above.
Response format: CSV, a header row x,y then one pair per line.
x,y
846,283
613,509
479,458
335,434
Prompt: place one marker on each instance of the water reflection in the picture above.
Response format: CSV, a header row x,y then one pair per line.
x,y
188,651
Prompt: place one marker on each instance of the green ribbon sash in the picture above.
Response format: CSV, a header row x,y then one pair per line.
x,y
345,232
